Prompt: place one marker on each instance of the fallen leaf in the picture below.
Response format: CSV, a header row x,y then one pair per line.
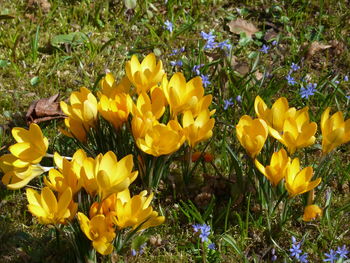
x,y
240,25
44,110
270,34
242,68
316,47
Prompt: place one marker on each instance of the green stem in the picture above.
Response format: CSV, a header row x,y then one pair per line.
x,y
150,174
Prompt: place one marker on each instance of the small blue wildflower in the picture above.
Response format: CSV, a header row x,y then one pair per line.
x,y
239,99
331,256
196,227
295,251
211,246
348,97
224,45
205,80
176,63
265,49
274,257
346,78
310,90
169,26
303,258
205,232
342,252
133,252
336,82
208,37
274,43
196,69
294,240
294,67
176,51
291,80
210,45
228,103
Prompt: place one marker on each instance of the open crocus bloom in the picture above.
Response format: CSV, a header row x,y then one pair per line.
x,y
299,182
144,75
98,231
136,211
278,167
31,145
48,209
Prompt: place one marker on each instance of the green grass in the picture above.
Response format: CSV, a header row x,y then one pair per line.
x,y
36,62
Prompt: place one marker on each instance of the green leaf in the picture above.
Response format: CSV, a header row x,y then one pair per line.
x,y
130,4
35,81
73,39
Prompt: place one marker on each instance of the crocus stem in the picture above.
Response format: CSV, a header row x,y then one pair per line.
x,y
57,236
150,174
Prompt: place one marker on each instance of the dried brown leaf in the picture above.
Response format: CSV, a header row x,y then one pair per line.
x,y
43,4
240,25
44,110
316,47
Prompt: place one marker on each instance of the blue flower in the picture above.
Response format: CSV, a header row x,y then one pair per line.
x,y
303,258
294,240
208,37
274,43
291,80
295,251
228,103
265,49
176,63
224,45
211,246
331,256
346,78
308,91
168,26
196,69
348,97
205,80
342,252
294,67
133,252
274,257
205,232
239,98
176,51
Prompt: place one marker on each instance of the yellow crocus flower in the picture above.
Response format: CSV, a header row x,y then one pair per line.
x,y
66,177
182,95
98,231
15,178
115,110
197,129
161,139
275,116
136,211
110,88
252,134
299,182
297,132
82,108
311,212
335,131
106,175
278,167
31,145
144,75
48,209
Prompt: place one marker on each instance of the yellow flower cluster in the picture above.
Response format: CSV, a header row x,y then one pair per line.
x,y
146,93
